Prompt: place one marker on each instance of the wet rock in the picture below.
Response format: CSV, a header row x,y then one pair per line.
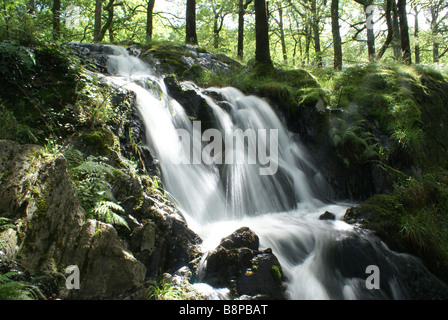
x,y
174,59
401,276
239,264
327,216
241,238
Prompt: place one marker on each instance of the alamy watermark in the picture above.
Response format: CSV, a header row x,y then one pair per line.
x,y
72,281
73,17
240,147
373,280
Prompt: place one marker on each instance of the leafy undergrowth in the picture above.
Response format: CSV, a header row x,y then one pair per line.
x,y
397,116
48,98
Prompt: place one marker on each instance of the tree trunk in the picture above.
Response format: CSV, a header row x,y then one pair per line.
x,y
282,35
149,19
110,18
335,28
97,26
370,33
390,30
216,32
262,52
240,47
416,35
396,42
404,28
242,6
56,19
316,33
191,36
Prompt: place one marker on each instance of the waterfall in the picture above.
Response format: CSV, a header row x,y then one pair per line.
x,y
321,259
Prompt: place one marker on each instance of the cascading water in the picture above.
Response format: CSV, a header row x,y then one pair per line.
x,y
321,259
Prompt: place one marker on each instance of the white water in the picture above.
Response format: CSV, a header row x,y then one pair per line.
x,y
216,200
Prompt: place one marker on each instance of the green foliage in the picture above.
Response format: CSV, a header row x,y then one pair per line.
x,y
354,144
11,288
165,289
413,219
6,223
90,176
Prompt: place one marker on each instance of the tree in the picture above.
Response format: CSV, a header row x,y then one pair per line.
x,y
390,29
370,27
242,7
335,29
191,36
416,33
262,50
149,19
98,17
404,30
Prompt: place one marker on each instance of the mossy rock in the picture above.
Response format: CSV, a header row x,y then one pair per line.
x,y
101,140
382,215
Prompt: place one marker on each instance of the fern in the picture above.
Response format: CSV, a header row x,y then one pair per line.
x,y
6,223
74,157
93,166
105,211
90,178
11,289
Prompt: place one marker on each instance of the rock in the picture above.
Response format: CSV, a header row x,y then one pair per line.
x,y
401,276
38,195
108,269
327,216
238,263
241,238
179,60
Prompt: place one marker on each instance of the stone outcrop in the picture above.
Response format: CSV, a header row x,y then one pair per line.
x,y
239,264
49,231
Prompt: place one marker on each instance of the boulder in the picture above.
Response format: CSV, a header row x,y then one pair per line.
x,y
52,232
327,216
238,263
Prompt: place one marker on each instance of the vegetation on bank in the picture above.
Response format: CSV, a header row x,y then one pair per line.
x,y
372,115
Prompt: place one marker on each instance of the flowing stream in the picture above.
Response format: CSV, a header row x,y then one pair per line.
x,y
320,259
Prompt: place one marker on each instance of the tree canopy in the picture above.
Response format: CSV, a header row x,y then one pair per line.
x,y
297,33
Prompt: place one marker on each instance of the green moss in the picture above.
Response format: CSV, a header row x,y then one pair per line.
x,y
102,141
276,272
413,219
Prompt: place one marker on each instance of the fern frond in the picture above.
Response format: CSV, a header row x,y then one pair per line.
x,y
94,167
105,211
74,157
11,289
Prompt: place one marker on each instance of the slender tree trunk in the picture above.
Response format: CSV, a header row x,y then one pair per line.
x,y
390,30
242,6
282,34
191,36
335,29
262,51
98,16
396,42
370,34
435,51
240,47
416,35
216,30
110,18
56,19
404,28
316,33
149,19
